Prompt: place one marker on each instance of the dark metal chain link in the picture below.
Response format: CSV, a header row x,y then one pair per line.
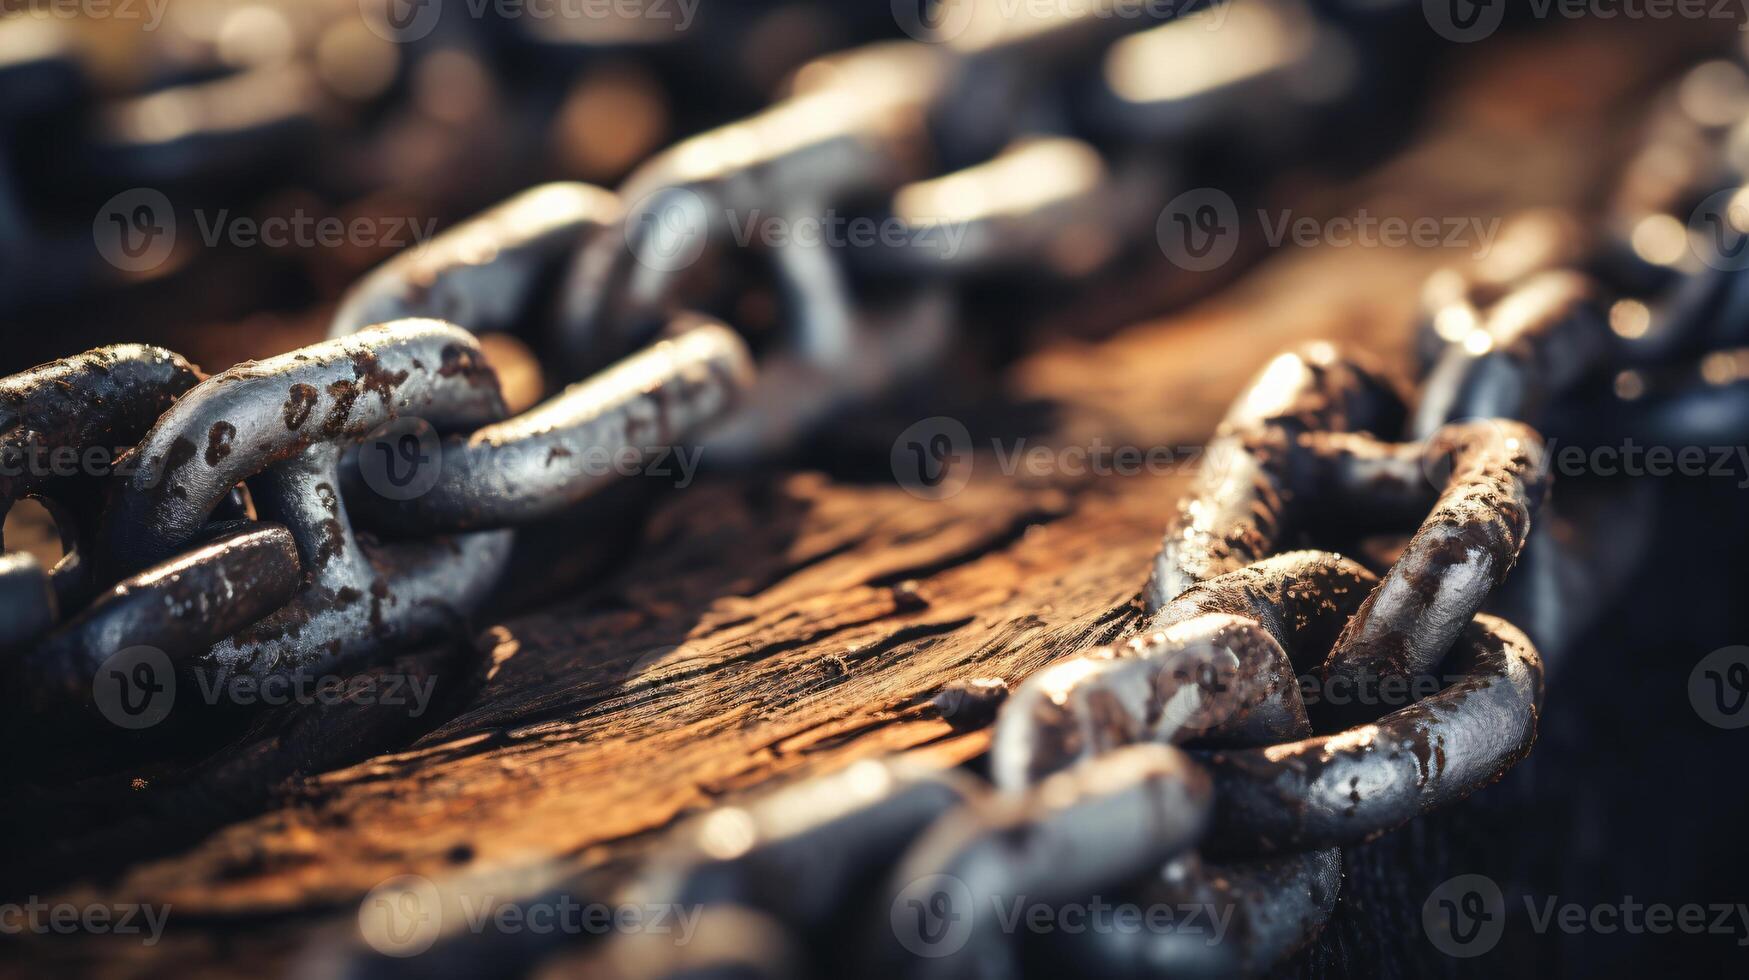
x,y
1183,764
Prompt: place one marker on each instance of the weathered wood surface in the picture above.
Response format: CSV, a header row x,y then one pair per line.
x,y
771,626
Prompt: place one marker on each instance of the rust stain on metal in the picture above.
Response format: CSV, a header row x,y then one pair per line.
x,y
299,403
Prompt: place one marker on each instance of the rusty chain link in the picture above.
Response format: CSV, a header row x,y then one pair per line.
x,y
101,403
1184,764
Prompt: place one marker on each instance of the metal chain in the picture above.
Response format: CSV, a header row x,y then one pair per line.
x,y
1183,762
903,129
183,108
100,402
331,97
1248,814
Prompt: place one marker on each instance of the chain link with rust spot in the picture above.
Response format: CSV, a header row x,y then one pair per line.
x,y
1181,765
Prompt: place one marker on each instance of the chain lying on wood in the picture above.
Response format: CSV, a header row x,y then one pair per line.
x,y
1089,797
282,424
900,129
1182,764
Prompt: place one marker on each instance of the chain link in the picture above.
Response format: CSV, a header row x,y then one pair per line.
x,y
94,405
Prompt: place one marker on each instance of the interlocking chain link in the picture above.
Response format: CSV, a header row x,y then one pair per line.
x,y
1184,764
101,403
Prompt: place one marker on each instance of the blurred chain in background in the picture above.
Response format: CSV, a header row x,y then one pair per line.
x,y
311,111
324,109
